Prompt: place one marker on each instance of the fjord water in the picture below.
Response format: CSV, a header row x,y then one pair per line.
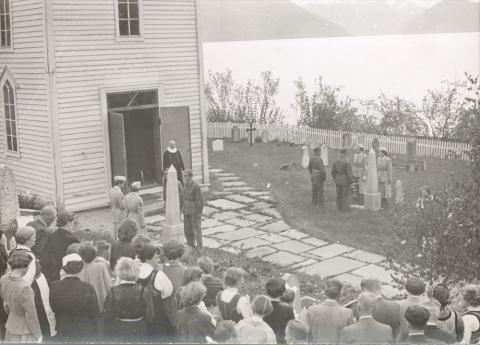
x,y
403,65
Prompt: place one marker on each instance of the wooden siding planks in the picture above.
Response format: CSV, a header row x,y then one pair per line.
x,y
89,58
33,167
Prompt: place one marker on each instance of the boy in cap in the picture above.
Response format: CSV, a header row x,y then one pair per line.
x,y
343,178
117,202
134,207
317,175
192,210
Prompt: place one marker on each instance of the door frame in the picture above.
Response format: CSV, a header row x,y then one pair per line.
x,y
104,91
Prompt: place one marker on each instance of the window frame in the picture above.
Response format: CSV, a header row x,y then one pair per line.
x,y
123,38
13,86
8,49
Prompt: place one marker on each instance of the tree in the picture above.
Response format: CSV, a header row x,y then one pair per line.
x,y
441,109
398,117
219,91
325,108
442,240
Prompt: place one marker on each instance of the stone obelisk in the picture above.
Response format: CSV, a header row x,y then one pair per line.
x,y
173,228
372,196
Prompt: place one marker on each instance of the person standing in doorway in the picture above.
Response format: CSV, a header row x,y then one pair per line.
x,y
342,176
172,157
134,207
192,211
117,201
359,167
384,173
317,175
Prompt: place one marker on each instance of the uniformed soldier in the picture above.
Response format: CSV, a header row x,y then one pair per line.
x,y
192,210
384,175
359,169
117,202
317,175
134,207
342,175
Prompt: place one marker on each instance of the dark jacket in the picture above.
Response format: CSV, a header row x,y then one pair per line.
x,y
316,169
120,249
278,319
419,339
174,271
59,242
192,199
388,313
433,332
342,173
193,325
40,249
76,309
214,286
176,160
367,331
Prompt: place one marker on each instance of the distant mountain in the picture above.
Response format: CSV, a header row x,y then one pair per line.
x,y
238,20
447,16
366,17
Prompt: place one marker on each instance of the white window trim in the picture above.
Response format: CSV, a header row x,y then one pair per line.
x,y
9,49
140,37
13,85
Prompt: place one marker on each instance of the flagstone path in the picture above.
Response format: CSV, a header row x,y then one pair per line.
x,y
244,219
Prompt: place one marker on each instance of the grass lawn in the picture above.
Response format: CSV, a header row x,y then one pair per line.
x,y
259,165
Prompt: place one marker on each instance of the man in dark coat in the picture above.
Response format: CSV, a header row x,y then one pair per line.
x,y
317,175
366,330
386,312
41,224
343,178
282,312
59,242
173,157
417,317
192,211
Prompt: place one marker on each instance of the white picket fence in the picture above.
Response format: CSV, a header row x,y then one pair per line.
x,y
316,136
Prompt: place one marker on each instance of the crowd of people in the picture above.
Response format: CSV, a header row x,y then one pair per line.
x,y
56,289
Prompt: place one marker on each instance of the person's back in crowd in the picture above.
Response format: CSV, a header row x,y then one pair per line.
x,y
449,321
415,288
126,231
282,312
231,304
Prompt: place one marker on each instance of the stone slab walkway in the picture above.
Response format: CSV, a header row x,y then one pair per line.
x,y
246,220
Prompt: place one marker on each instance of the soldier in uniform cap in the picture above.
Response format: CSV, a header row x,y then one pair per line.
x,y
317,175
417,317
117,202
192,211
134,207
342,176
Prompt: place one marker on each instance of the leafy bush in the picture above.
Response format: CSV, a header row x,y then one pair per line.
x,y
30,201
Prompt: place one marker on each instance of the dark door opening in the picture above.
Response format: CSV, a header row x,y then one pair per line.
x,y
135,148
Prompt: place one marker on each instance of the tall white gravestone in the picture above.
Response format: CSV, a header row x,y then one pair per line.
x,y
372,196
173,228
324,154
399,194
305,157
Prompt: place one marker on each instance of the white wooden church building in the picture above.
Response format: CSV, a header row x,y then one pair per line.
x,y
91,89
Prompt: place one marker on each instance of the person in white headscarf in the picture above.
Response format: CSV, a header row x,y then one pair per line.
x,y
134,207
173,157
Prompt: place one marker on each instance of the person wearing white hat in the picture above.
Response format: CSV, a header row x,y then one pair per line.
x,y
74,303
134,207
117,202
384,175
359,170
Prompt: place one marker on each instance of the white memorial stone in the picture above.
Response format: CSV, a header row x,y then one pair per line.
x,y
217,145
305,157
173,228
372,196
324,154
399,193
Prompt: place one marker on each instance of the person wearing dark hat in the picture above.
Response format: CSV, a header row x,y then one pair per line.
x,y
343,178
359,167
417,318
192,211
117,202
415,296
317,176
59,242
384,175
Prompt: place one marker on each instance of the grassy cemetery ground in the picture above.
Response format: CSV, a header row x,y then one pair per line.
x,y
260,165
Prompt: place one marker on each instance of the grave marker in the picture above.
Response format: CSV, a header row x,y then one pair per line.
x,y
305,157
217,145
372,196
